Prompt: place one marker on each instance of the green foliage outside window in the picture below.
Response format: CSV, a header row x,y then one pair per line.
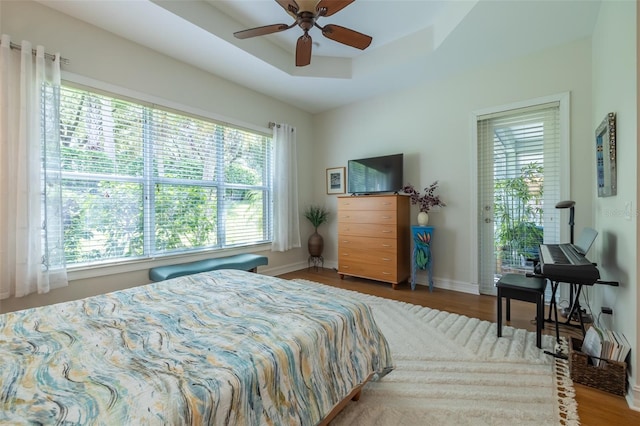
x,y
141,181
518,213
191,213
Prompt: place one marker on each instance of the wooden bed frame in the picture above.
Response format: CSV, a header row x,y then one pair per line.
x,y
354,395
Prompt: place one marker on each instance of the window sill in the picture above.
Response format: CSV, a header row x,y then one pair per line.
x,y
85,272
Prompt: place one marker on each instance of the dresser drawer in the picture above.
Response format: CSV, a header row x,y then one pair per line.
x,y
367,216
373,272
368,230
367,257
371,202
355,242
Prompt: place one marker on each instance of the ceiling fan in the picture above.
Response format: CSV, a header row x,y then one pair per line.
x,y
306,13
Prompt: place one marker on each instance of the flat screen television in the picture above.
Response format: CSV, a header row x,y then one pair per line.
x,y
375,174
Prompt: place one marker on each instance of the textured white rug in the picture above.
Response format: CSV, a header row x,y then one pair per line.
x,y
453,370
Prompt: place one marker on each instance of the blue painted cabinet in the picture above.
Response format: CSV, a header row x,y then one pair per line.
x,y
422,258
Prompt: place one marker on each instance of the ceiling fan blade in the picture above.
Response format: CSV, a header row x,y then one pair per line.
x,y
303,50
260,31
290,6
332,6
346,36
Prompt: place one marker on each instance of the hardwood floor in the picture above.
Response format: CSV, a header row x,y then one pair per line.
x,y
595,407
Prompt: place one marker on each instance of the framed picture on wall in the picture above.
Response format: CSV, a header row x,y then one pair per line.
x,y
606,156
336,180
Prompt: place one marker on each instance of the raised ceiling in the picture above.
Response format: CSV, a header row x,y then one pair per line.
x,y
414,41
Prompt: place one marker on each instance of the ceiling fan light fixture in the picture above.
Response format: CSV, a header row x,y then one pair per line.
x,y
307,5
306,20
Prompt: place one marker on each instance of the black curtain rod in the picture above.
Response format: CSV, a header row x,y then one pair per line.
x,y
65,61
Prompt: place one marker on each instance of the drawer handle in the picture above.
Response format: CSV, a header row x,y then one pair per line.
x,y
386,203
386,259
386,245
386,231
386,273
386,217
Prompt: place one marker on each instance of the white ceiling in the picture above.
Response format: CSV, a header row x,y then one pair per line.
x,y
414,41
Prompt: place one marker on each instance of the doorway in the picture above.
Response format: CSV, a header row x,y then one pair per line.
x,y
520,154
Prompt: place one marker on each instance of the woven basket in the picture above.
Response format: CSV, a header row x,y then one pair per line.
x,y
609,376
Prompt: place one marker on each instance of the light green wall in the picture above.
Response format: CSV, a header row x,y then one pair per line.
x,y
432,125
615,89
107,58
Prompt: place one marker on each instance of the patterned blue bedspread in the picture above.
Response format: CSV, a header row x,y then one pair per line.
x,y
219,348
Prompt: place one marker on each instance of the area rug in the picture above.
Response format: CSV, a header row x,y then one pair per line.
x,y
454,370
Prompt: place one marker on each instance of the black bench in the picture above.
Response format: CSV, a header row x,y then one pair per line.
x,y
245,262
527,289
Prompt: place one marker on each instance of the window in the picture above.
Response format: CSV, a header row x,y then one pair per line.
x,y
142,181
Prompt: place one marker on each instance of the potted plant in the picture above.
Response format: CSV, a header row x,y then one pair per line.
x,y
317,215
425,201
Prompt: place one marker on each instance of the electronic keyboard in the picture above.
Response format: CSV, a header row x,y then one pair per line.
x,y
565,263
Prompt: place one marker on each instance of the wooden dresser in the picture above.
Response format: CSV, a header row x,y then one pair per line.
x,y
374,237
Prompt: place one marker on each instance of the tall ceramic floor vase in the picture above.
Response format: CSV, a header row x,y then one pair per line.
x,y
315,244
423,218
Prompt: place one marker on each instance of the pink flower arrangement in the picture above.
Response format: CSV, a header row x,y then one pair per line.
x,y
428,200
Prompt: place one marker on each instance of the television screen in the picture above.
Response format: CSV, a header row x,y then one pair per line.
x,y
375,174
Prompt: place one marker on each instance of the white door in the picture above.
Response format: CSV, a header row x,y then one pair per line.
x,y
519,182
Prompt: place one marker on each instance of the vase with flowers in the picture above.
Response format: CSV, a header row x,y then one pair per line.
x,y
425,201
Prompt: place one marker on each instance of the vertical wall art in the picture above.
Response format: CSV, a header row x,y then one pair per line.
x,y
606,156
335,180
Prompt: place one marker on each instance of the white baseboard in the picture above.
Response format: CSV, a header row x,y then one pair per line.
x,y
282,269
633,396
445,284
292,267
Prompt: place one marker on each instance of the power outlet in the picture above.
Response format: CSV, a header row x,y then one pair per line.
x,y
606,310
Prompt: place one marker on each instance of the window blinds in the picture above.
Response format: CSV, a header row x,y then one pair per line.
x,y
140,180
519,183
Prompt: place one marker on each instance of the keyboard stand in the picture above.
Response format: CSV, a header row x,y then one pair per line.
x,y
553,307
574,309
574,303
558,353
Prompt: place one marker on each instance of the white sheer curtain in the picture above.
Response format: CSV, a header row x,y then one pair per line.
x,y
31,250
286,220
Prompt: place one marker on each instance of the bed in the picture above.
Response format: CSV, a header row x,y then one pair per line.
x,y
226,347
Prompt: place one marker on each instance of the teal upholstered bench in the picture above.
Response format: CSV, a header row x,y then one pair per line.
x,y
246,262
